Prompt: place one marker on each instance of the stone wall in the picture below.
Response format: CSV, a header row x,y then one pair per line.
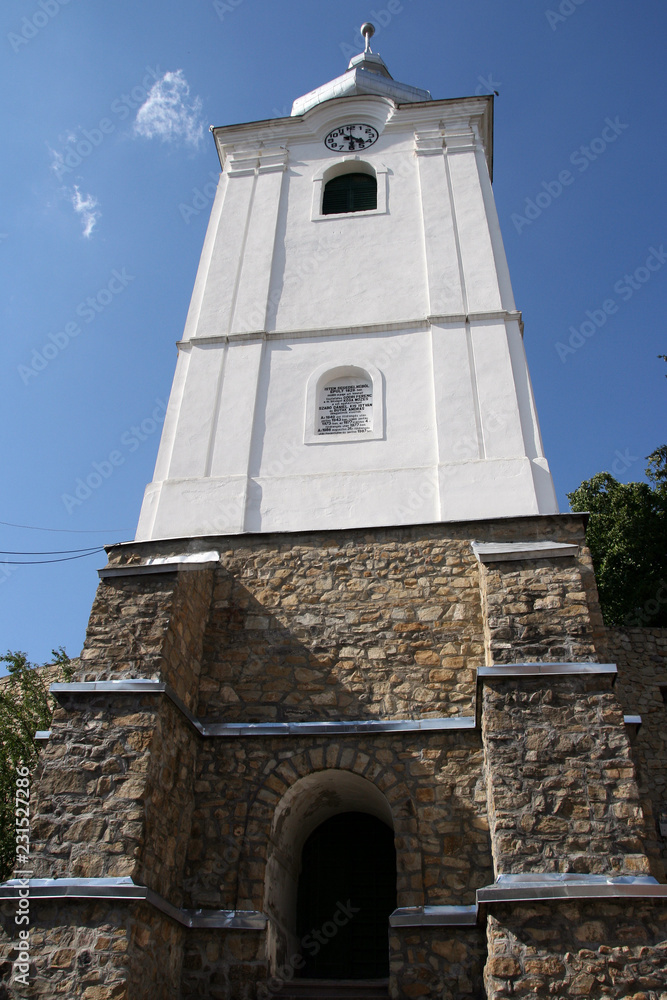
x,y
560,779
219,964
641,655
150,627
92,951
388,624
606,948
442,962
540,610
433,783
367,625
113,795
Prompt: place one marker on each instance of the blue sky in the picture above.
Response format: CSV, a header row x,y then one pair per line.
x,y
106,177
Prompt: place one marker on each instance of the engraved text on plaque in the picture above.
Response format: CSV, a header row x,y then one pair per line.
x,y
345,406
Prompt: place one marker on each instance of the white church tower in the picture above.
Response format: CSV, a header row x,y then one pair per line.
x,y
347,721
352,355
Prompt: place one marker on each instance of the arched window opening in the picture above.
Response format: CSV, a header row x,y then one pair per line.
x,y
344,403
346,892
350,193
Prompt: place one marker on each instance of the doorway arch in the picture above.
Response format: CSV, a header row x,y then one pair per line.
x,y
307,805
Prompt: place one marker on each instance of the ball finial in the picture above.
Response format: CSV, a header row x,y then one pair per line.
x,y
368,30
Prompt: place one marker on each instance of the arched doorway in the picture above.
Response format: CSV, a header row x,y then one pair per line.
x,y
307,805
346,891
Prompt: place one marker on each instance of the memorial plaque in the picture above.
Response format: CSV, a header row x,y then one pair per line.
x,y
345,406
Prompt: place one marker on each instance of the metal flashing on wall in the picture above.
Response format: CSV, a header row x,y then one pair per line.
x,y
569,885
128,685
487,552
434,916
164,564
336,727
123,888
518,671
125,685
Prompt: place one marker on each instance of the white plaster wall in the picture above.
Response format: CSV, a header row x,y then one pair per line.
x,y
355,269
419,290
270,265
404,359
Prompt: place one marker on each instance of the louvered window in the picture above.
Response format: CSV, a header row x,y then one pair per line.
x,y
350,193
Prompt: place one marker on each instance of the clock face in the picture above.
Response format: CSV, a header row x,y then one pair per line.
x,y
349,138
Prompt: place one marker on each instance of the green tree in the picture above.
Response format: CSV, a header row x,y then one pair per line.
x,y
627,536
25,708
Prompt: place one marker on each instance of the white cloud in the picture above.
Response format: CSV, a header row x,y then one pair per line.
x,y
84,206
168,114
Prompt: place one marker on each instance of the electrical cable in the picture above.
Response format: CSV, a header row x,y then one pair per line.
x,y
42,562
55,552
67,531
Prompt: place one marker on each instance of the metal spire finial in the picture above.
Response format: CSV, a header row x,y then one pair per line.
x,y
367,30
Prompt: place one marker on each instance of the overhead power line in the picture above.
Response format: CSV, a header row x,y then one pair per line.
x,y
41,562
56,552
68,531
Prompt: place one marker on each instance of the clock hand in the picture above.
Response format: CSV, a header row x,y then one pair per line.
x,y
352,139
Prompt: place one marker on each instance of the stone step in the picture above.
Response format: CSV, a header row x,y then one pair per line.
x,y
336,989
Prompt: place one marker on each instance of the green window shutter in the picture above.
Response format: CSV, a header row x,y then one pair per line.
x,y
350,193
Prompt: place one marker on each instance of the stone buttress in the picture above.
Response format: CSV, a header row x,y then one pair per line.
x,y
235,691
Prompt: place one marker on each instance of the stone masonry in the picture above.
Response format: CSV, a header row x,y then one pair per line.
x,y
175,797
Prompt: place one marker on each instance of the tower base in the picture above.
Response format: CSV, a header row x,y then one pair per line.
x,y
235,692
